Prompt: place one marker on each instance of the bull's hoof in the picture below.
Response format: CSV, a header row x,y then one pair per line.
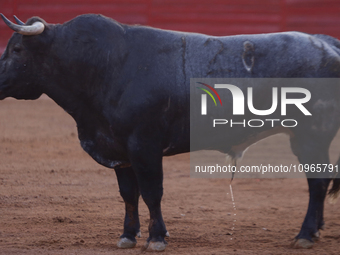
x,y
302,244
126,243
155,246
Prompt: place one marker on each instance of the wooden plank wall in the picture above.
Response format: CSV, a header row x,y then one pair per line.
x,y
215,17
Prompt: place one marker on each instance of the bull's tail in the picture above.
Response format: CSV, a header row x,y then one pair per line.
x,y
334,192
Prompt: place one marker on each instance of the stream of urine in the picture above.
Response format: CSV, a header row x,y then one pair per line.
x,y
234,209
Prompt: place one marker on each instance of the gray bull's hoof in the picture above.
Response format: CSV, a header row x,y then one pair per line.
x,y
125,243
155,246
302,244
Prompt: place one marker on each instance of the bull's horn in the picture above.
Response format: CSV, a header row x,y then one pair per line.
x,y
19,22
35,29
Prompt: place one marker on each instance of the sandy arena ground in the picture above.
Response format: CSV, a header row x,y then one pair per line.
x,y
54,199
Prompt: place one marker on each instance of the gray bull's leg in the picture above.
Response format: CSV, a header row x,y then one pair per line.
x,y
128,188
312,150
145,154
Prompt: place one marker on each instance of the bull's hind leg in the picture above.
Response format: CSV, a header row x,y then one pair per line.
x,y
312,150
128,188
314,217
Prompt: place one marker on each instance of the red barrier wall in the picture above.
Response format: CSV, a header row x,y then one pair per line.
x,y
215,17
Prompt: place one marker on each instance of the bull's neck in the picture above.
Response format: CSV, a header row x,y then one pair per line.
x,y
68,101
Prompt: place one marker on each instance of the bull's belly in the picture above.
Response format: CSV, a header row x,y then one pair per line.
x,y
237,150
236,144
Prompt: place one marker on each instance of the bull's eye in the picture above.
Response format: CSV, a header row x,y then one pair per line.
x,y
16,49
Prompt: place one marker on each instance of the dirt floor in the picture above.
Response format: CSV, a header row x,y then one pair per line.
x,y
54,199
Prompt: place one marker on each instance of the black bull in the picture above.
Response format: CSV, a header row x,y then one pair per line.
x,y
127,87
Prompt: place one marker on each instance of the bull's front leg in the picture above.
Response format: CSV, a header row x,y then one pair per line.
x,y
129,190
145,153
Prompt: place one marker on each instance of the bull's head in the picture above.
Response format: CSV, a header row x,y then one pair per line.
x,y
18,65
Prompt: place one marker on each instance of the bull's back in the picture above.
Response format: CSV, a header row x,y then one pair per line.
x,y
276,55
